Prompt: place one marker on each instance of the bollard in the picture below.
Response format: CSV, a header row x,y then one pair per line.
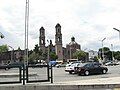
x,y
51,74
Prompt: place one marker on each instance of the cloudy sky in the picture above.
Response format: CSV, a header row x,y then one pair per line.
x,y
89,21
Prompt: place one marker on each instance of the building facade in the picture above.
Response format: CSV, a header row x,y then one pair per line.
x,y
58,42
42,39
72,47
12,56
92,54
62,52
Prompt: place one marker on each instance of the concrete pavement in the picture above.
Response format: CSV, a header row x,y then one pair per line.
x,y
111,80
16,74
111,83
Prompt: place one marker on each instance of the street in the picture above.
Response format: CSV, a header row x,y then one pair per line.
x,y
59,75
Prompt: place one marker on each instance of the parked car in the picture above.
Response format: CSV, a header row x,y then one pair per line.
x,y
71,68
90,68
14,64
118,63
61,65
4,66
38,65
111,63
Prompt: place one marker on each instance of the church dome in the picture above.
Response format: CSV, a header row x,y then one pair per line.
x,y
72,41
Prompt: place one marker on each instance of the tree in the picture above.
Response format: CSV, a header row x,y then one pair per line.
x,y
81,55
107,53
33,56
3,48
53,55
95,59
36,48
117,55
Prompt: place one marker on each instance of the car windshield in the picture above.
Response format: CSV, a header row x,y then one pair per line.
x,y
81,64
72,65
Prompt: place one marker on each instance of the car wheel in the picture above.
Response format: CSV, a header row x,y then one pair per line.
x,y
87,73
70,72
104,71
6,68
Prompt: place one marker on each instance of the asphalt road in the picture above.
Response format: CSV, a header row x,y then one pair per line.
x,y
59,75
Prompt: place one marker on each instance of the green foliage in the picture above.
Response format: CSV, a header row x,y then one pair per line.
x,y
53,55
95,59
107,53
117,55
3,48
36,50
34,56
81,55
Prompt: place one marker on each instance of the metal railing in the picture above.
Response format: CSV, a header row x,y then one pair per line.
x,y
27,74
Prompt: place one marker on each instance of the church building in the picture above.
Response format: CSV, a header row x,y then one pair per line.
x,y
62,52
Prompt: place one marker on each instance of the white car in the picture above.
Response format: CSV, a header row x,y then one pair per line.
x,y
71,68
118,63
110,63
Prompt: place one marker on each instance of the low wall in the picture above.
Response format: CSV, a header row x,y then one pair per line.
x,y
60,87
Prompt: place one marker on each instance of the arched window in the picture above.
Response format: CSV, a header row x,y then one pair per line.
x,y
58,30
42,41
58,39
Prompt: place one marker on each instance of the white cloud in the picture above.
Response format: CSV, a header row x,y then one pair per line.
x,y
87,20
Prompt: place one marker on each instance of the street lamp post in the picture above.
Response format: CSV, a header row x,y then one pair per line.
x,y
103,49
26,38
112,52
1,35
48,51
118,31
26,31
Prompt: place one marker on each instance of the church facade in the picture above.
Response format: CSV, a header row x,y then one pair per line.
x,y
63,53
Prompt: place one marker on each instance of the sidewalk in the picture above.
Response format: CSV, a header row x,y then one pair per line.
x,y
112,83
16,74
111,80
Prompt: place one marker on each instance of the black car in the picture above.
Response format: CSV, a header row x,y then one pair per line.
x,y
90,68
15,64
4,66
